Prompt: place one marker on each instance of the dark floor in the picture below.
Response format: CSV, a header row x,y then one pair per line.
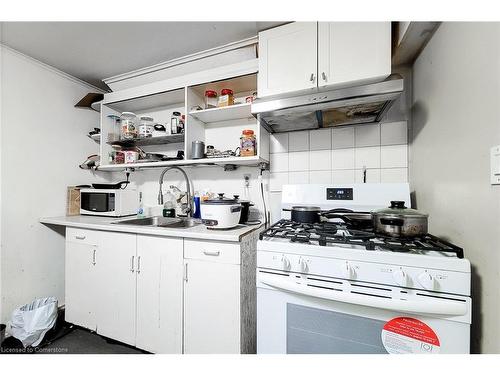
x,y
71,340
80,341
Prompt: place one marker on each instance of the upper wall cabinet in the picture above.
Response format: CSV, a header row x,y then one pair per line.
x,y
288,58
305,56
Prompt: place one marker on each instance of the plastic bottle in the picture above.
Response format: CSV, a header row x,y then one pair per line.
x,y
169,205
140,210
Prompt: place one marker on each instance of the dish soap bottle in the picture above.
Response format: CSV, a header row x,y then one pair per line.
x,y
169,205
140,210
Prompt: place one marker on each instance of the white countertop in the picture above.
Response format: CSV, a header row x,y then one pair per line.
x,y
198,231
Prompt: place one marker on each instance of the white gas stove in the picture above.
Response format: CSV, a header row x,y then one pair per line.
x,y
330,288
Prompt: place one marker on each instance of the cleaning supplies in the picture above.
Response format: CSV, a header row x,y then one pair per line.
x,y
140,210
169,205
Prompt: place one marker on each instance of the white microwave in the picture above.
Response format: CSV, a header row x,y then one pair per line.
x,y
109,202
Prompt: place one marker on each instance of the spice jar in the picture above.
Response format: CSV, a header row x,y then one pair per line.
x,y
248,143
128,125
146,127
210,99
226,98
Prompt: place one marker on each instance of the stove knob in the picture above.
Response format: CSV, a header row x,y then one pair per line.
x,y
347,271
303,265
285,262
427,281
400,277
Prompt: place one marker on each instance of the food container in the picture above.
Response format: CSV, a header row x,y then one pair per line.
x,y
226,98
146,127
248,143
119,157
220,213
174,123
114,134
130,156
210,99
399,221
197,150
128,122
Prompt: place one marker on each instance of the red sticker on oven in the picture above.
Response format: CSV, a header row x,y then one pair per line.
x,y
408,335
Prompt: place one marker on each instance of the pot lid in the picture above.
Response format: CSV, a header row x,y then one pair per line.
x,y
398,208
306,208
220,200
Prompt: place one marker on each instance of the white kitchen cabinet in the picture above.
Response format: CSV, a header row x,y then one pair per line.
x,y
304,56
159,294
117,286
81,280
219,296
353,52
287,59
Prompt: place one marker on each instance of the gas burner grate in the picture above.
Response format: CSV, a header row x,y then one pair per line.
x,y
329,233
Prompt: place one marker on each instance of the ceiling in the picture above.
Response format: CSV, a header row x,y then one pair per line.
x,y
92,51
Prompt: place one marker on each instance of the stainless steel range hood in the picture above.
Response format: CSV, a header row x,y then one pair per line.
x,y
347,106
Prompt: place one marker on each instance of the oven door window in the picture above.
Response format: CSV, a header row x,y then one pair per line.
x,y
98,202
316,331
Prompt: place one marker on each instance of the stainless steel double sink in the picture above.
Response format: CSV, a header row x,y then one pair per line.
x,y
160,221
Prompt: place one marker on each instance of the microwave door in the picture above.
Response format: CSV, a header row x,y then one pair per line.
x,y
98,202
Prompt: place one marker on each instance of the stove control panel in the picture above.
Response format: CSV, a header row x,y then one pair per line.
x,y
381,273
339,194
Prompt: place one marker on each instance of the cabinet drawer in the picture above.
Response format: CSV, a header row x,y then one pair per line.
x,y
84,236
214,251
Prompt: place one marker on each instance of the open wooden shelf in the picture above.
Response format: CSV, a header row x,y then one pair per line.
x,y
232,112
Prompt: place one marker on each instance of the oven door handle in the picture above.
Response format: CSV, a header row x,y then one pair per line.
x,y
438,307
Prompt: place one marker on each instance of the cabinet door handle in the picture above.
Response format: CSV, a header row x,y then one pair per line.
x,y
313,78
80,237
93,257
212,253
138,264
323,74
186,272
132,264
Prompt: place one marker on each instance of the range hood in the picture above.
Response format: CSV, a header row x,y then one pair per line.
x,y
346,106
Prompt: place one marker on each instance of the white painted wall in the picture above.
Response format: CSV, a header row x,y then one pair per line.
x,y
456,120
43,139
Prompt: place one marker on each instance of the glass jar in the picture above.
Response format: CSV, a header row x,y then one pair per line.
x,y
226,98
114,133
128,125
248,143
146,127
175,123
210,99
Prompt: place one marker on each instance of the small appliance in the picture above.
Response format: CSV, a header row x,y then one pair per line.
x,y
109,202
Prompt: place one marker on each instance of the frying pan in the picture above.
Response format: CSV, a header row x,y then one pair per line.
x,y
118,185
312,214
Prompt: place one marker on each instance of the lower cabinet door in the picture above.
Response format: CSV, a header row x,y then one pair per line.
x,y
211,307
81,287
159,294
117,286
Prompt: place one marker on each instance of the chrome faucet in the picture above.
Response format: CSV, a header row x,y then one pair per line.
x,y
188,188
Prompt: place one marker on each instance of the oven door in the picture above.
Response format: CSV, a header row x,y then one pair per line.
x,y
307,315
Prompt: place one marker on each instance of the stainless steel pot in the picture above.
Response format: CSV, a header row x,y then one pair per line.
x,y
399,221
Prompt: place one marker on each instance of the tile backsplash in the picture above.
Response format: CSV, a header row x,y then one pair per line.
x,y
339,155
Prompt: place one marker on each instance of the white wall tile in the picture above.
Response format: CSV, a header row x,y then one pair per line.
x,y
394,156
320,160
320,177
279,162
279,142
298,177
343,176
343,158
277,180
393,175
298,141
372,176
298,161
320,139
367,135
368,157
275,206
394,133
343,137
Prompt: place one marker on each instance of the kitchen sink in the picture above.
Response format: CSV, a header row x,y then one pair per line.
x,y
160,221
